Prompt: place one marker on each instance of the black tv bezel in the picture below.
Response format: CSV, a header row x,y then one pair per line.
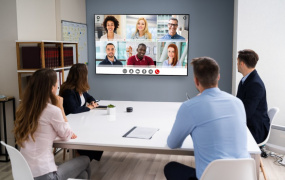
x,y
156,41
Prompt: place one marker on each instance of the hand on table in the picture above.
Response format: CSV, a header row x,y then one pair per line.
x,y
74,136
92,105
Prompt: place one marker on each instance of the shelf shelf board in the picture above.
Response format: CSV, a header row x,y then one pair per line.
x,y
34,70
48,41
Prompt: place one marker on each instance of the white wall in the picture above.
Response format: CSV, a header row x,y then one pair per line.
x,y
36,20
8,63
69,10
261,27
29,20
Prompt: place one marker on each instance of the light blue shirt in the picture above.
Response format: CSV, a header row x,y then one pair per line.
x,y
169,37
216,121
244,78
165,64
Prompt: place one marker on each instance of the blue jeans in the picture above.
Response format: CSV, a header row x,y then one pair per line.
x,y
75,168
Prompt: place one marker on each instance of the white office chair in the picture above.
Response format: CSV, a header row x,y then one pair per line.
x,y
233,169
20,167
271,113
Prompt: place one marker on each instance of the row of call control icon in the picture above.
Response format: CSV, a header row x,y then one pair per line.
x,y
138,71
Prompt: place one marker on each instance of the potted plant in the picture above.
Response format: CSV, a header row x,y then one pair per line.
x,y
111,109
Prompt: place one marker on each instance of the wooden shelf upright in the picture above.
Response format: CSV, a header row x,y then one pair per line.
x,y
60,62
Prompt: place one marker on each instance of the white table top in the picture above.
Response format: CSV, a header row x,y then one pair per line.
x,y
98,131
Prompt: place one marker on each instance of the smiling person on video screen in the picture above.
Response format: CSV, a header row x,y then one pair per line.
x,y
111,24
140,59
172,60
142,31
110,59
172,28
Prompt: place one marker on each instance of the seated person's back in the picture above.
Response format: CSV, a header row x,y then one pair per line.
x,y
215,120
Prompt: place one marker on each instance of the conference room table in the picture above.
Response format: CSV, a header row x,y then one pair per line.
x,y
96,130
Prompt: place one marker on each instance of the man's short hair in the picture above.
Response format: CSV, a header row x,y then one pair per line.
x,y
206,70
110,44
141,44
174,19
249,57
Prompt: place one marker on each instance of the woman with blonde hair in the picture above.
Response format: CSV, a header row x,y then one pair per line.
x,y
172,60
141,30
39,120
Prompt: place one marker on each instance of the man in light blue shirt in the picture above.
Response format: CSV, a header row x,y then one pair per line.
x,y
215,120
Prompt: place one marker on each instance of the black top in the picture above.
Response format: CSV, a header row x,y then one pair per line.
x,y
72,102
253,95
107,62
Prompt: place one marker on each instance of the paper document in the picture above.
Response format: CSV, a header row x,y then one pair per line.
x,y
141,132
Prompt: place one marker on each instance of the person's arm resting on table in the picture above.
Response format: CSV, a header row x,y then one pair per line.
x,y
70,103
181,128
61,127
91,101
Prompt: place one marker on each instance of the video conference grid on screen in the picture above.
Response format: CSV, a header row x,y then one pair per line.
x,y
141,44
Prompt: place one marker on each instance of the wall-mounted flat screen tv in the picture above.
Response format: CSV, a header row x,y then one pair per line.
x,y
153,44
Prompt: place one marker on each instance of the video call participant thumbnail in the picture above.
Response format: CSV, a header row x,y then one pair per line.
x,y
110,59
142,31
111,24
172,30
140,59
172,60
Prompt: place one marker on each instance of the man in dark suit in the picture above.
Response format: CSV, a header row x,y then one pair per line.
x,y
251,91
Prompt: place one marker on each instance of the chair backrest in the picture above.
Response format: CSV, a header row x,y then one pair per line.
x,y
271,113
20,167
233,169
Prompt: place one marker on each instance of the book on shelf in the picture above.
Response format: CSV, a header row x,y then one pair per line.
x,y
59,80
52,58
66,71
68,56
31,57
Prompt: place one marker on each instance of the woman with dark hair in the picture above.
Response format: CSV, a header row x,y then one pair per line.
x,y
172,60
74,91
39,120
75,98
111,25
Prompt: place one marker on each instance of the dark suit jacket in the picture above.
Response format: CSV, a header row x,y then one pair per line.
x,y
72,102
107,62
253,95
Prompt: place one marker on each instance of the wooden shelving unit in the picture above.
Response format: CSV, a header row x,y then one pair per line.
x,y
60,67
